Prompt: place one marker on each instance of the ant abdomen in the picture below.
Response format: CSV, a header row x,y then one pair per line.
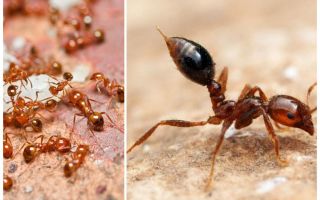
x,y
192,60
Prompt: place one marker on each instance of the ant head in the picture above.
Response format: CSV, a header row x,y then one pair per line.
x,y
98,35
291,112
29,153
96,121
67,76
69,168
192,60
12,90
56,68
51,104
97,76
36,124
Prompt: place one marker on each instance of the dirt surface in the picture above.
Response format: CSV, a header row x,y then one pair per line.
x,y
271,44
101,176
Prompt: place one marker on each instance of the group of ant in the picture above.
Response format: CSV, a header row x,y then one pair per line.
x,y
74,32
25,112
74,28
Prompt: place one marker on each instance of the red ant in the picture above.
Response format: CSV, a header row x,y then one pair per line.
x,y
196,64
60,86
7,183
82,103
112,87
54,143
77,159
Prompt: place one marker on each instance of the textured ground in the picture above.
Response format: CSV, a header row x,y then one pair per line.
x,y
271,44
101,176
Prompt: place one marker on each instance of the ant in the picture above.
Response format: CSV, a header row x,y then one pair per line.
x,y
7,183
82,103
77,160
54,143
196,64
112,87
60,86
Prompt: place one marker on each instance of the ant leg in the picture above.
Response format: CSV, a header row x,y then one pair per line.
x,y
95,138
28,79
225,127
74,119
274,138
308,96
223,78
261,93
97,86
94,101
177,123
27,142
244,91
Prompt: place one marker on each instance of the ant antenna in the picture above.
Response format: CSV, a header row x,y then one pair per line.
x,y
308,96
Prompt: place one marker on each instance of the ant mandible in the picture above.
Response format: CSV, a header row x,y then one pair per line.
x,y
196,64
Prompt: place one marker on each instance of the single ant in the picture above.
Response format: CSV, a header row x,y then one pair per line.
x,y
7,147
77,159
112,87
54,143
82,103
196,64
60,86
7,183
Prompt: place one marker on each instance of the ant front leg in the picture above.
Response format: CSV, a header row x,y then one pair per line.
x,y
225,127
274,138
177,123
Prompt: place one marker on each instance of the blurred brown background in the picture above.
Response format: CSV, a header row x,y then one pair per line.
x,y
271,44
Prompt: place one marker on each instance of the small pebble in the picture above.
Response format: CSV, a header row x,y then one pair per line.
x,y
101,189
98,162
146,148
12,168
28,189
290,73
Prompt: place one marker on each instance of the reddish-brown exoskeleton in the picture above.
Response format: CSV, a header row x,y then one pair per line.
x,y
7,147
77,160
60,86
196,64
7,183
54,143
113,88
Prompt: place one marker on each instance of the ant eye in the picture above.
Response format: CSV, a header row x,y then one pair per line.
x,y
290,115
